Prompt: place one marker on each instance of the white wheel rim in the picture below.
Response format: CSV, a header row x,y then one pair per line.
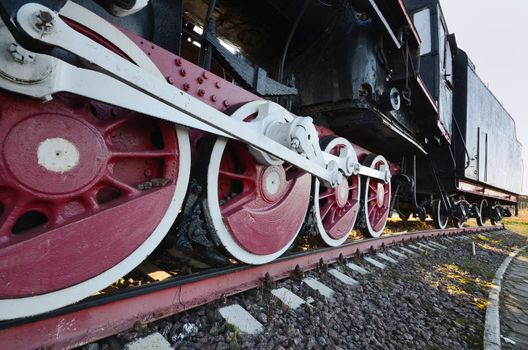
x,y
442,224
226,239
23,307
29,306
373,233
332,242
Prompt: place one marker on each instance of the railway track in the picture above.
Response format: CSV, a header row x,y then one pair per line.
x,y
106,314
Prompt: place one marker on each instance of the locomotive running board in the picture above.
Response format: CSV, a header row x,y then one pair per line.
x,y
102,316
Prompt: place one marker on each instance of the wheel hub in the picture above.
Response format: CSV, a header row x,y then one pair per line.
x,y
54,154
341,193
380,194
273,183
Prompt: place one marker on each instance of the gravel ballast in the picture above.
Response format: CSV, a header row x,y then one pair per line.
x,y
431,300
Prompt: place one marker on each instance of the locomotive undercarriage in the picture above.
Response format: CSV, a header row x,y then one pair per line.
x,y
94,178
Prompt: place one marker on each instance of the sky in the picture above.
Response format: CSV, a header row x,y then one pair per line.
x,y
495,36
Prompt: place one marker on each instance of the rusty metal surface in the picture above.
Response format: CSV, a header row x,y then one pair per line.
x,y
108,315
480,190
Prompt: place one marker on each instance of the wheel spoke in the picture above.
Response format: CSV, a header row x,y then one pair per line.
x,y
234,205
324,210
127,189
327,193
237,176
333,213
114,124
371,209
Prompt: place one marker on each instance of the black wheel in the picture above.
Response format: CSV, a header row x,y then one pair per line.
x,y
496,215
439,214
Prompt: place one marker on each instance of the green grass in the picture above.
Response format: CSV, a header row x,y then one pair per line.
x,y
517,224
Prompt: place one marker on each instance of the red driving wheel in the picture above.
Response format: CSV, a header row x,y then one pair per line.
x,y
376,197
257,210
336,209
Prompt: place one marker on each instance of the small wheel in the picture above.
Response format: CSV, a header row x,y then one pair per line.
x,y
495,210
440,217
256,210
335,210
484,212
376,199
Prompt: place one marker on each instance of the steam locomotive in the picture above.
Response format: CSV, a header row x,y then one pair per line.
x,y
231,127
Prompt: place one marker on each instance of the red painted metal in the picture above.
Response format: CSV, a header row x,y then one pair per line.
x,y
378,200
260,221
87,216
202,84
410,22
90,324
486,191
339,207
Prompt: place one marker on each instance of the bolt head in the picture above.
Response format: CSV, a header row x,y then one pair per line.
x,y
201,92
213,98
183,72
178,62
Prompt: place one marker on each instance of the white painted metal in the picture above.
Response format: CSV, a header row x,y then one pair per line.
x,y
357,268
316,210
238,316
374,262
57,155
324,290
288,298
103,28
343,278
222,232
28,306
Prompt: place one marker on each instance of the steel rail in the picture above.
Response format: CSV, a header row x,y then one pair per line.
x,y
98,317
